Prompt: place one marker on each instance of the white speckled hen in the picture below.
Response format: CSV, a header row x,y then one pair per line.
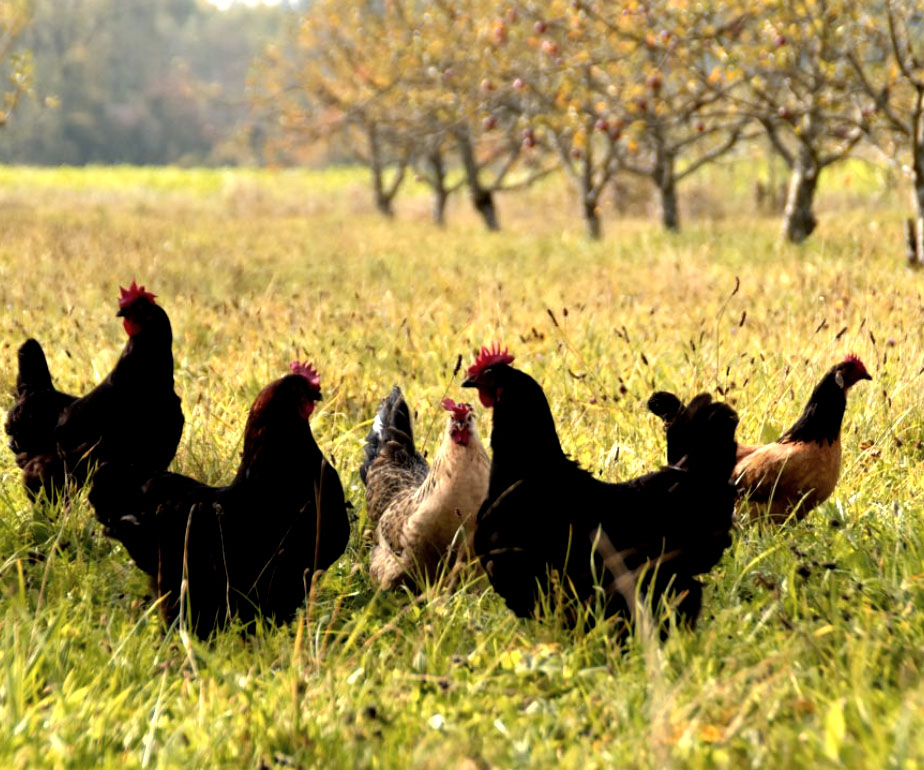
x,y
424,515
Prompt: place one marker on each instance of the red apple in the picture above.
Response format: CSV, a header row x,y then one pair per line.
x,y
550,47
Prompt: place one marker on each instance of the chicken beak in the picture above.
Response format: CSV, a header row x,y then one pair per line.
x,y
866,376
121,313
469,382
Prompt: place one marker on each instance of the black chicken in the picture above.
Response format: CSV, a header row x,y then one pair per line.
x,y
641,538
133,417
248,548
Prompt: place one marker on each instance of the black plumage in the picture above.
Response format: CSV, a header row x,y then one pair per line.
x,y
545,514
248,548
133,417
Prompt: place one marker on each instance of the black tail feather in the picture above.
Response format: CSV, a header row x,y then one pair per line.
x,y
665,405
702,437
392,424
33,369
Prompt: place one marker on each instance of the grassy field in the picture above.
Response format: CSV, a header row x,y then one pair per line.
x,y
810,650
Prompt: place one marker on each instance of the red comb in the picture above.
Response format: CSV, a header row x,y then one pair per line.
x,y
853,358
132,293
488,357
307,371
459,411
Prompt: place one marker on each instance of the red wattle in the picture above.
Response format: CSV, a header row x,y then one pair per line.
x,y
461,437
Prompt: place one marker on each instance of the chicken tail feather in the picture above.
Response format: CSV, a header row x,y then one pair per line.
x,y
665,405
701,437
392,425
33,369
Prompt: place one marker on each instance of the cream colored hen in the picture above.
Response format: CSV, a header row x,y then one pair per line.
x,y
424,516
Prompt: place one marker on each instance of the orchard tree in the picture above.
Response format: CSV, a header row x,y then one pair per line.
x,y
451,103
543,69
16,67
792,67
612,87
887,60
673,120
329,80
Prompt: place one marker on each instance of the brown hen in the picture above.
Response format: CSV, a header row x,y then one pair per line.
x,y
800,469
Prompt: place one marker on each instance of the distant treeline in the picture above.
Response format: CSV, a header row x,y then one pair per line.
x,y
139,82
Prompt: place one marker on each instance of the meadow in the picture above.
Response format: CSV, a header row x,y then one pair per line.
x,y
810,649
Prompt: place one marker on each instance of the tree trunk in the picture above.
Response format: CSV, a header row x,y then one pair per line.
x,y
483,201
382,201
440,199
917,178
670,217
666,182
381,195
592,219
482,198
440,193
798,219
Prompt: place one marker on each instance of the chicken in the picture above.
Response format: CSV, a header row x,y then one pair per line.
x,y
544,514
800,470
251,547
31,422
423,515
133,417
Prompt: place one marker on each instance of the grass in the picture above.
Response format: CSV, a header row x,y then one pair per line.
x,y
810,651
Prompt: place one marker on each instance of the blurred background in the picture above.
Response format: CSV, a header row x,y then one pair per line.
x,y
661,110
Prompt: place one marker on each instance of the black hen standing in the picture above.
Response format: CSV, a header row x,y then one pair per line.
x,y
31,422
250,547
133,417
545,514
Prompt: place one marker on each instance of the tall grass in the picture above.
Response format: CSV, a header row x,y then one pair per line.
x,y
811,645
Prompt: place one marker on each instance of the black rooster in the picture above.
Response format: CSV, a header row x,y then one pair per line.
x,y
642,538
251,547
133,417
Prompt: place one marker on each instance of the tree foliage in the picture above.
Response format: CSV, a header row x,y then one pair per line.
x,y
655,88
886,55
15,66
135,81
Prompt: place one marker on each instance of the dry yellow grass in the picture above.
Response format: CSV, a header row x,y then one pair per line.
x,y
793,663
